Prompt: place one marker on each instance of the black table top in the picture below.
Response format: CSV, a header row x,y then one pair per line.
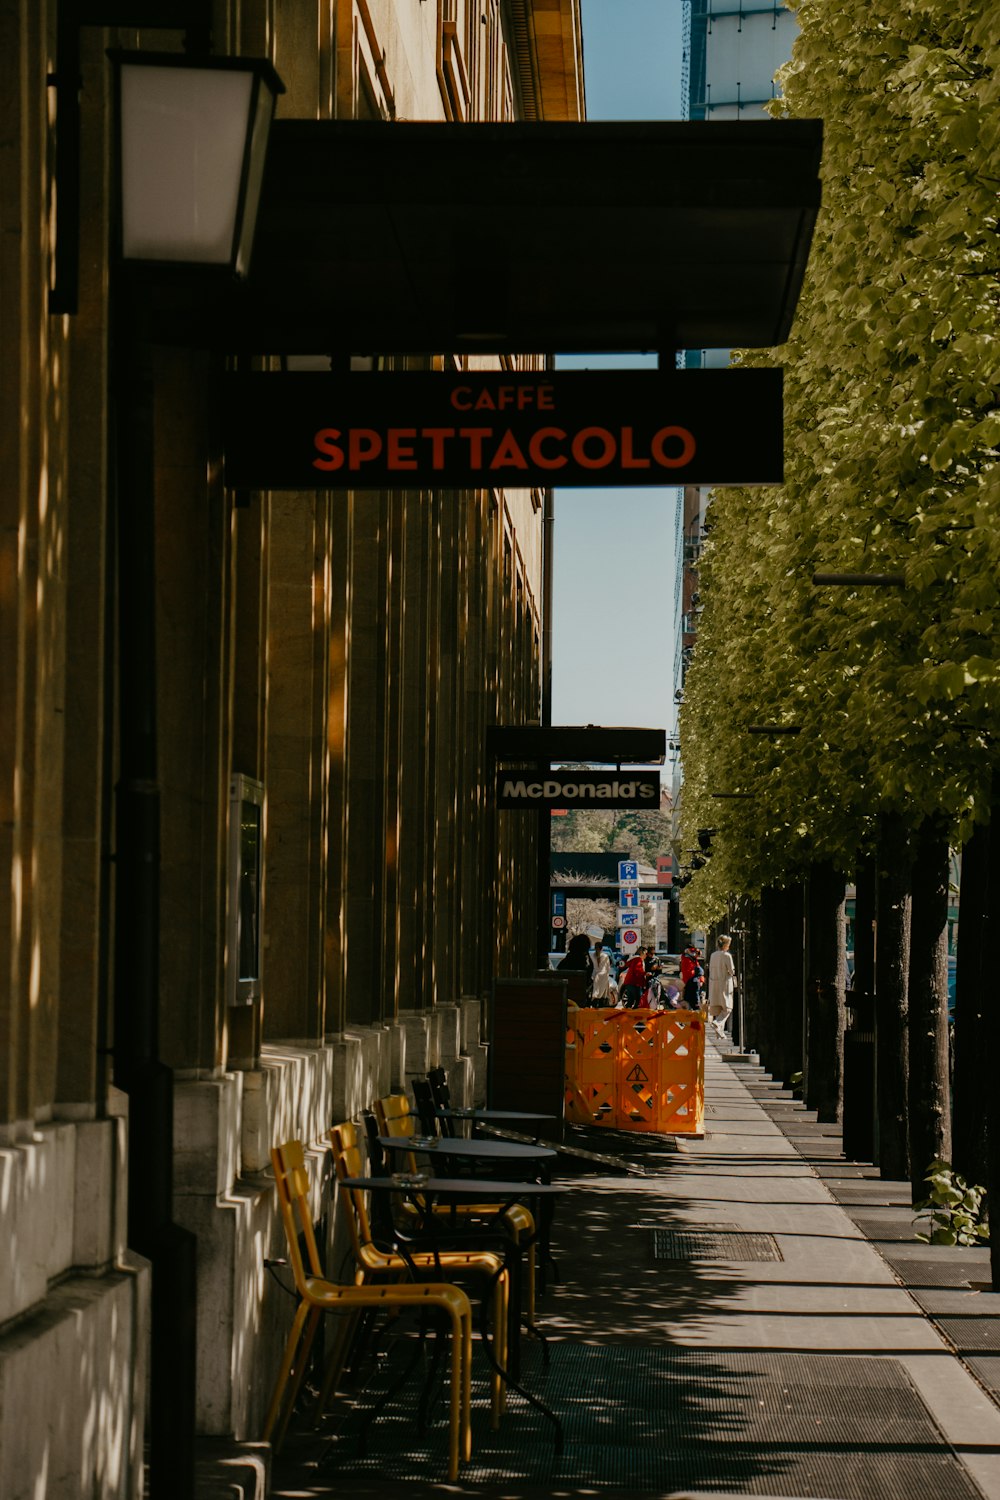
x,y
466,1187
475,1150
492,1114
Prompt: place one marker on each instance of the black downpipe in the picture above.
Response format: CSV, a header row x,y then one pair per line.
x,y
138,1070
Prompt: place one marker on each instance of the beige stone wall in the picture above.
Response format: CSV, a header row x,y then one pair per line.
x,y
346,650
392,628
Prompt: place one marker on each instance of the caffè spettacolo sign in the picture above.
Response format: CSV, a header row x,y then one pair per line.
x,y
566,428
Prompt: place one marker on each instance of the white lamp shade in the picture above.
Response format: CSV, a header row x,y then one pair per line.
x,y
193,141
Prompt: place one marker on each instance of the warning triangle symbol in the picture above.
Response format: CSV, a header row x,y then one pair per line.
x,y
637,1075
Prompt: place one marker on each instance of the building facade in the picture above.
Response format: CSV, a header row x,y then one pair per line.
x,y
732,50
326,664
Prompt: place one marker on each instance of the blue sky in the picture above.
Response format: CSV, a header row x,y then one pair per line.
x,y
613,646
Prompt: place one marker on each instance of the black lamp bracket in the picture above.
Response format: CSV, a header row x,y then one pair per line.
x,y
192,17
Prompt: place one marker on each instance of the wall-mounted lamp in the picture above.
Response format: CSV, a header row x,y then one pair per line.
x,y
191,149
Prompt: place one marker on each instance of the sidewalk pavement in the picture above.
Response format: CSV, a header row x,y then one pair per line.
x,y
750,1316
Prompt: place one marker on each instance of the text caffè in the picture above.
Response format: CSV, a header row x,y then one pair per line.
x,y
375,430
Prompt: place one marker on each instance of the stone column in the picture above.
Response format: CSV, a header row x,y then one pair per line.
x,y
249,701
392,775
194,597
341,550
411,909
295,767
365,761
450,818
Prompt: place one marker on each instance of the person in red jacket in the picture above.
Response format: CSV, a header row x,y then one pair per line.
x,y
632,982
690,960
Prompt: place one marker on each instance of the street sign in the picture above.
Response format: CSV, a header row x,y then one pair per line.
x,y
559,903
629,937
424,429
558,922
628,895
628,918
628,872
578,789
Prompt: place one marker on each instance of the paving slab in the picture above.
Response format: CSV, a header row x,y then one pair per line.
x,y
723,1326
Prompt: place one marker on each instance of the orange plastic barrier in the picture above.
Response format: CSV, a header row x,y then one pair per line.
x,y
637,1070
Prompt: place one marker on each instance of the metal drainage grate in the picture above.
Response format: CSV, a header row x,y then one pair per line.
x,y
887,1228
972,1333
916,1272
664,1420
714,1244
986,1368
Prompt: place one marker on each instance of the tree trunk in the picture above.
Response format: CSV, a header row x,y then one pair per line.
x,y
866,887
770,939
892,962
928,1089
991,992
972,1071
781,911
826,981
859,1039
746,941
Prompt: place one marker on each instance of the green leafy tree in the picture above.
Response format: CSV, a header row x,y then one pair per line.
x,y
892,402
892,423
639,834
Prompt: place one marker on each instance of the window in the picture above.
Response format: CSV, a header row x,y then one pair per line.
x,y
246,855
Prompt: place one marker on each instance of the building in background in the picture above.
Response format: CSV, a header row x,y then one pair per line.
x,y
732,51
328,663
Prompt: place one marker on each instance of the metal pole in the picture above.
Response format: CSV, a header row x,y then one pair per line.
x,y
548,560
138,1069
543,900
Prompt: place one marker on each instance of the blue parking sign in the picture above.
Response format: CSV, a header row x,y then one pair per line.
x,y
628,871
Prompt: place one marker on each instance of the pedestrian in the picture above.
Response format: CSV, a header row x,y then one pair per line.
x,y
600,987
721,985
577,956
632,982
689,961
694,983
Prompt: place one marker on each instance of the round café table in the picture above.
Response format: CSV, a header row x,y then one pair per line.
x,y
488,1155
459,1149
492,1116
424,1191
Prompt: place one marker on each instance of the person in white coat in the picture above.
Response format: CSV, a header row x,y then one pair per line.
x,y
721,985
601,964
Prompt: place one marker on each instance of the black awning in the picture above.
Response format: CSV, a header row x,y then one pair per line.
x,y
577,743
397,237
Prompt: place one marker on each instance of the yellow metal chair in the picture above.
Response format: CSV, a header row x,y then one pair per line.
x,y
396,1118
374,1263
318,1296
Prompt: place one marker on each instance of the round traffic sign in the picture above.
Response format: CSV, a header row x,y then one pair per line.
x,y
558,922
629,936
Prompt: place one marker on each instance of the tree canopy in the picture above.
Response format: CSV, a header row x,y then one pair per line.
x,y
892,419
